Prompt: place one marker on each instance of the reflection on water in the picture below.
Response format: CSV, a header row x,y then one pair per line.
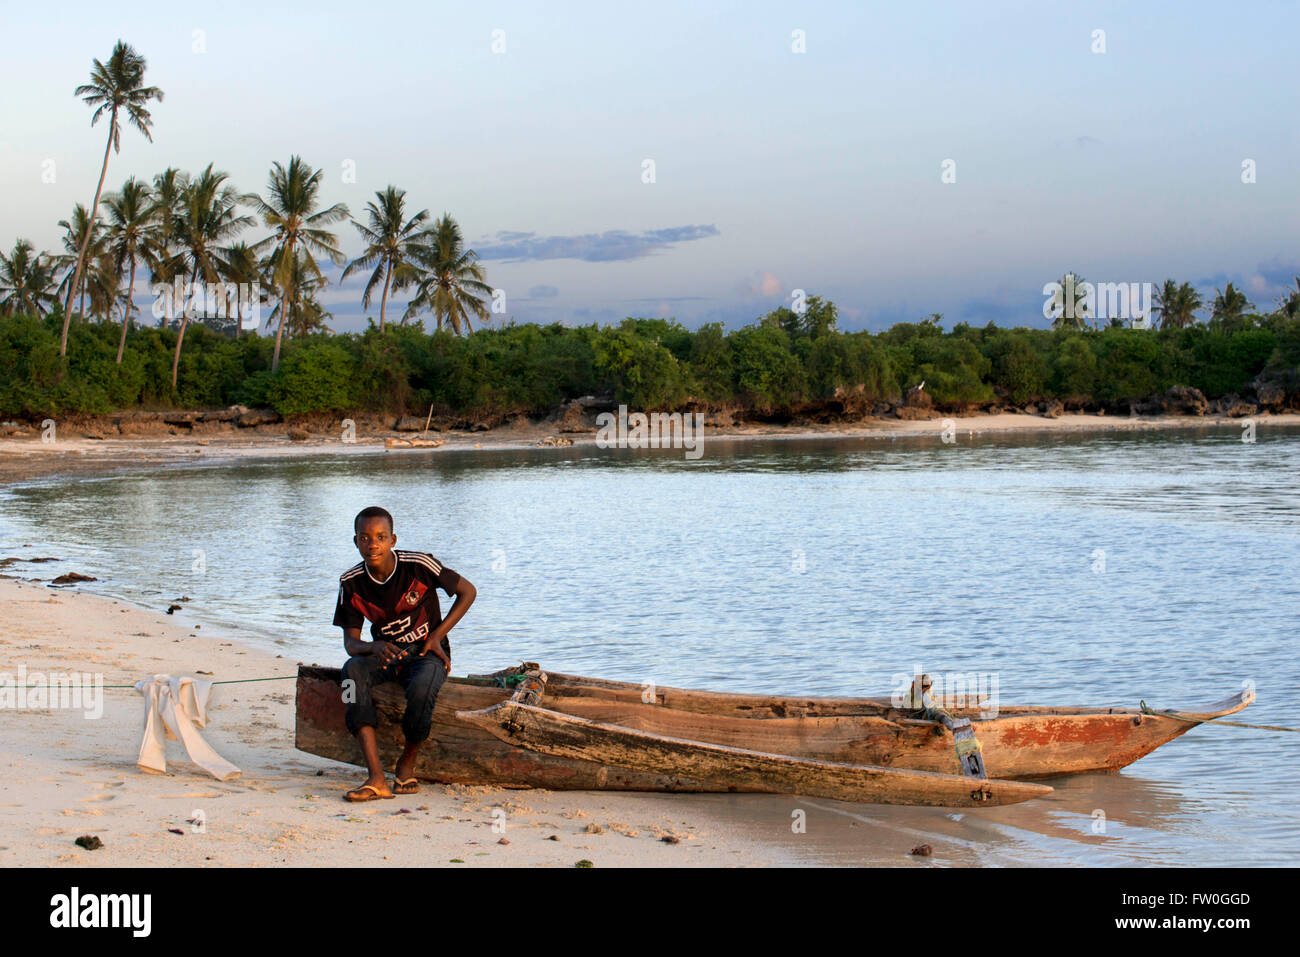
x,y
1091,571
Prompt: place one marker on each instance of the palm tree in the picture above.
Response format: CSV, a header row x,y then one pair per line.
x,y
132,236
26,281
290,211
303,313
207,218
453,281
116,87
391,246
1074,309
1229,306
81,238
1177,304
1288,306
103,281
240,265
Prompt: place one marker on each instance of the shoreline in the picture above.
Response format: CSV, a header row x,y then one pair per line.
x,y
25,460
70,776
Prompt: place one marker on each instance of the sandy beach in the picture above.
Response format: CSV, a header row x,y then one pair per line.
x,y
27,458
68,774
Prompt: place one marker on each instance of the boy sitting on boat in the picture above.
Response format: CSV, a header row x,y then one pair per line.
x,y
396,591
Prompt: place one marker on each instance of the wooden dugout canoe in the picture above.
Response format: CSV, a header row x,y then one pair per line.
x,y
591,734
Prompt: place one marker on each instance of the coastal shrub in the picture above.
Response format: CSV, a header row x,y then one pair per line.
x,y
1130,364
314,375
255,391
211,370
384,369
562,367
953,370
768,376
1074,368
640,372
1286,347
29,366
669,333
1018,368
850,361
1218,363
711,369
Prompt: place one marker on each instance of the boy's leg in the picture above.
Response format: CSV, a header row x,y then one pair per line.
x,y
423,679
363,671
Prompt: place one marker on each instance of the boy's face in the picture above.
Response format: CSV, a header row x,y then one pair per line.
x,y
375,540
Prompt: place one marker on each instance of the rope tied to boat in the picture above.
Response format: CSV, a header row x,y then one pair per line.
x,y
1170,713
229,681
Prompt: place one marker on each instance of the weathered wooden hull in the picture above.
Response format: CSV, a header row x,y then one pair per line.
x,y
565,735
1021,743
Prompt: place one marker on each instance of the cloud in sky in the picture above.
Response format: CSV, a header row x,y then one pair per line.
x,y
543,292
761,283
611,246
1278,273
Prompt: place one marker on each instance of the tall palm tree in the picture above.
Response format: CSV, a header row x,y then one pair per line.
x,y
169,188
1074,308
290,210
242,266
1229,306
82,237
393,244
26,281
453,280
132,237
207,219
1177,304
115,87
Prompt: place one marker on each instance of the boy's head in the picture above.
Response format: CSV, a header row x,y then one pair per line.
x,y
374,538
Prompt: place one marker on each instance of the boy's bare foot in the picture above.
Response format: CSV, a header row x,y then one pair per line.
x,y
372,790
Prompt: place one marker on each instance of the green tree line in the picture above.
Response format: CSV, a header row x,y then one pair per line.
x,y
780,365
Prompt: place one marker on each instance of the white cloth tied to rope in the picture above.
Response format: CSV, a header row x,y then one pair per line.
x,y
176,706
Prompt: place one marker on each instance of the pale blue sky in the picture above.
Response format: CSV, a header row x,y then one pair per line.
x,y
775,170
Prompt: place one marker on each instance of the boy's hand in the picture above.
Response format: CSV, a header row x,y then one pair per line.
x,y
386,651
436,648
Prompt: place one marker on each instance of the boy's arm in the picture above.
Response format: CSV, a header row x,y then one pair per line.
x,y
465,594
353,644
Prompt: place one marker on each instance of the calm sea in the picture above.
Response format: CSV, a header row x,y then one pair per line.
x,y
1073,570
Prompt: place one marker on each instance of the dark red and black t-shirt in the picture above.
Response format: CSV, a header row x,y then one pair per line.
x,y
403,607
